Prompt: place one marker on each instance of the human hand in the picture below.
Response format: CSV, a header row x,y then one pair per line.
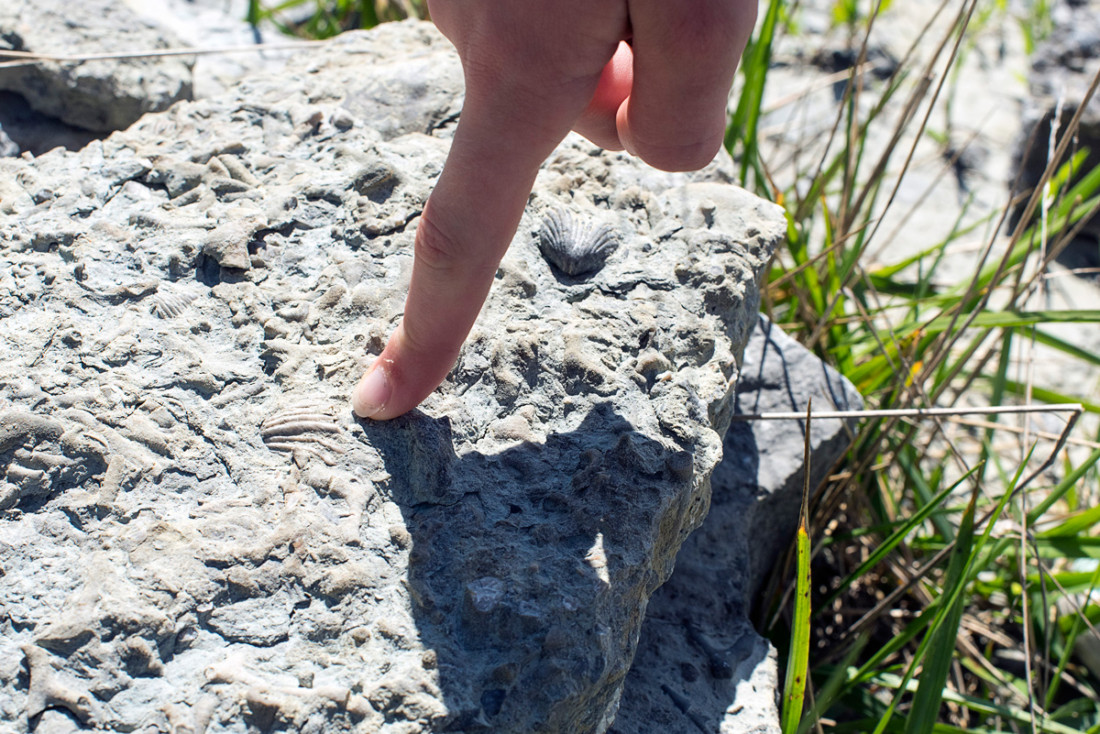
x,y
534,70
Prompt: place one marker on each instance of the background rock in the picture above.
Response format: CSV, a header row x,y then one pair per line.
x,y
197,533
700,664
208,25
95,95
216,24
35,133
7,146
1062,70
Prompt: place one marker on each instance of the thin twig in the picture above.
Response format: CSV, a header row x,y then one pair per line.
x,y
819,84
915,412
976,423
28,58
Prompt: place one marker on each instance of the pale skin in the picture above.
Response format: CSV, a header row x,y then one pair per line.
x,y
534,70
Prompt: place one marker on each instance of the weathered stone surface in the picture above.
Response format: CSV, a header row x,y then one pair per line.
x,y
197,533
700,664
1063,68
94,95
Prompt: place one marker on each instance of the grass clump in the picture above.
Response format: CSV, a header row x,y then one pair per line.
x,y
954,569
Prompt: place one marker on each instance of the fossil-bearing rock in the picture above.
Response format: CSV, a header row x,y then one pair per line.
x,y
198,535
700,666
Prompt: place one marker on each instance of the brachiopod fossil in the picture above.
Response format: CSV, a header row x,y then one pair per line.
x,y
167,305
575,247
302,428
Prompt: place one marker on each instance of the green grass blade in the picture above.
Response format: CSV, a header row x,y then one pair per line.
x,y
1011,320
1011,713
937,662
896,537
951,596
1046,395
1080,523
1075,630
743,124
794,687
1068,483
1068,548
1066,348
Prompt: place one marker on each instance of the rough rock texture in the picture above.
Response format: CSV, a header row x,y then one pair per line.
x,y
198,535
700,665
95,95
1063,67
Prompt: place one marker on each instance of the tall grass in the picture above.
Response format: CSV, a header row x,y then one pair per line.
x,y
954,560
954,570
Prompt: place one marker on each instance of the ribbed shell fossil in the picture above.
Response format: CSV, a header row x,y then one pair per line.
x,y
169,305
302,428
575,247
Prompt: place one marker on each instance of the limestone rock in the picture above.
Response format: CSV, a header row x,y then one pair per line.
x,y
197,533
95,95
700,664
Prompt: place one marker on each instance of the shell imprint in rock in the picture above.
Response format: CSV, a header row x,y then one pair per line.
x,y
169,305
304,427
573,246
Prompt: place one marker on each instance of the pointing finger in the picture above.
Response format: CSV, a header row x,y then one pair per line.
x,y
511,120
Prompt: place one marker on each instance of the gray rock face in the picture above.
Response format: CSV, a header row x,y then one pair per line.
x,y
700,664
96,95
197,533
1063,68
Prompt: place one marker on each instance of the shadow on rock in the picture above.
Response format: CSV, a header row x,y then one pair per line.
x,y
700,665
529,570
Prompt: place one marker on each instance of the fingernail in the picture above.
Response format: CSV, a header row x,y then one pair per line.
x,y
371,394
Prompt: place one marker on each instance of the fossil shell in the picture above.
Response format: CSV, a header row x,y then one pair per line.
x,y
168,305
573,246
305,427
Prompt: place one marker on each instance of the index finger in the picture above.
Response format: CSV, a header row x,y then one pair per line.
x,y
506,129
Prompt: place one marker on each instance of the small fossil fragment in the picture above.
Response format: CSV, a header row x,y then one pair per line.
x,y
575,247
302,428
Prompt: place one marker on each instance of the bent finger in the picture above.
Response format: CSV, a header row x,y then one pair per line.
x,y
685,56
597,122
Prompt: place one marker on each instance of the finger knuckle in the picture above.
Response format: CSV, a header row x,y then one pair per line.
x,y
447,255
436,250
705,36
